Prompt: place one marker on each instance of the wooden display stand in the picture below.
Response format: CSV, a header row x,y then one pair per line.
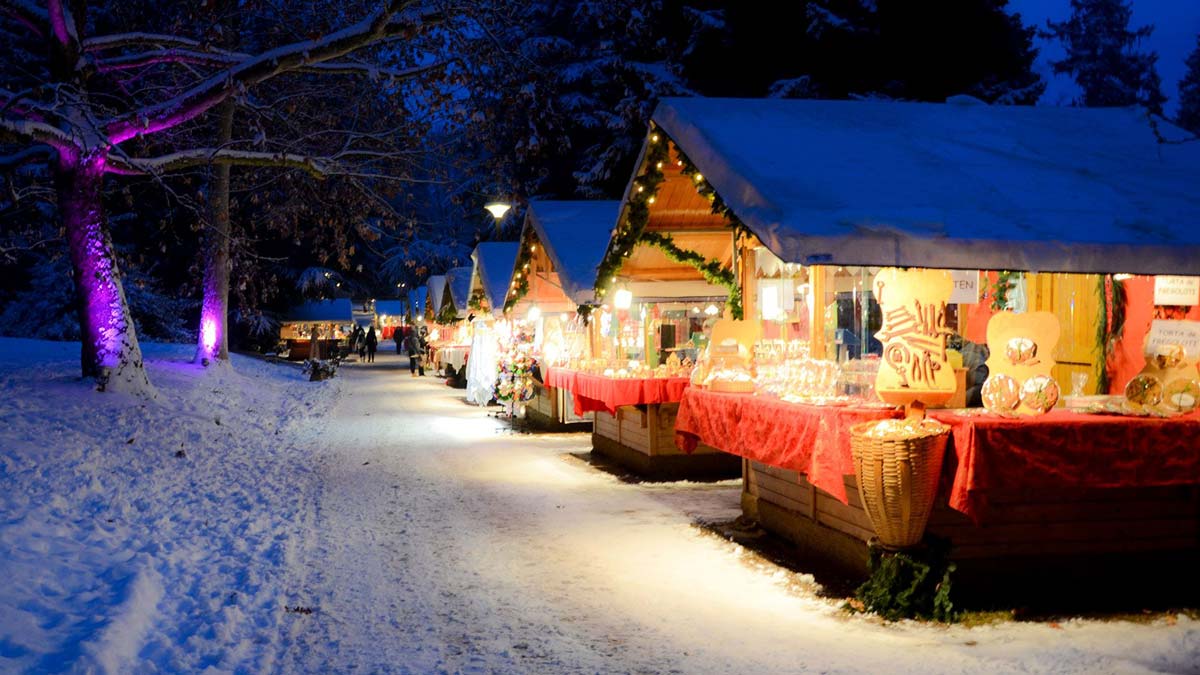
x,y
642,439
553,410
1033,542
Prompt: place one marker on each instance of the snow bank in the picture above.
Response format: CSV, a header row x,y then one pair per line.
x,y
144,536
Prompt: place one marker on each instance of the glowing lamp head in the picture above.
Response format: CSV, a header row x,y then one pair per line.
x,y
623,298
497,209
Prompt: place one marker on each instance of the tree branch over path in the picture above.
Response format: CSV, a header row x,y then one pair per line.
x,y
390,21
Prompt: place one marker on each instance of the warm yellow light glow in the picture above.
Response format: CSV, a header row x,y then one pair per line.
x,y
711,310
623,299
653,138
659,165
695,310
650,200
533,248
1122,277
535,313
698,178
497,209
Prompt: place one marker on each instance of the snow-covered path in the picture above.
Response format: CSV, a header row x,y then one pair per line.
x,y
440,542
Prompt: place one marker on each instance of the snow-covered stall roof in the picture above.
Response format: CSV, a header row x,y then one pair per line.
x,y
416,300
437,287
333,311
389,307
954,185
458,283
575,234
494,262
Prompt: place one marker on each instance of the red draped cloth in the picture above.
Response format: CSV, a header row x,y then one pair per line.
x,y
813,440
1052,451
599,393
1066,449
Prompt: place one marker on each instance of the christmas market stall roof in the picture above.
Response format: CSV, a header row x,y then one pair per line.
x,y
337,310
955,185
576,235
416,300
494,268
458,284
437,287
389,307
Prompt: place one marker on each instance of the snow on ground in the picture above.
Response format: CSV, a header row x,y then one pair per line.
x,y
422,534
120,556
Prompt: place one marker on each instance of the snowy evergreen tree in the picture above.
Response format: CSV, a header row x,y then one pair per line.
x,y
572,101
870,48
1189,93
1103,55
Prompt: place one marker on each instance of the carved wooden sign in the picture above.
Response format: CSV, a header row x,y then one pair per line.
x,y
1020,362
915,365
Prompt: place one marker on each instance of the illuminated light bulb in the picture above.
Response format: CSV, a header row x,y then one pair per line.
x,y
533,248
518,275
698,177
650,200
640,188
535,313
659,165
711,310
1122,277
679,162
623,299
653,138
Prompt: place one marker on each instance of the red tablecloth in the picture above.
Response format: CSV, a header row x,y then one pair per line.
x,y
599,393
1066,449
1048,452
813,440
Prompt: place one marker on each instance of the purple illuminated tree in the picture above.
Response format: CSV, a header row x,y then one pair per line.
x,y
87,106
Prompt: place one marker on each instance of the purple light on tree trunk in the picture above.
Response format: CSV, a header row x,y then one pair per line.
x,y
208,336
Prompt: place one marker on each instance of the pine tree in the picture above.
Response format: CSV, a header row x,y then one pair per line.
x,y
1104,58
1189,93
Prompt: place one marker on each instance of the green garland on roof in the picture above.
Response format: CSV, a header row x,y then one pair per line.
x,y
632,231
448,315
476,300
518,286
714,272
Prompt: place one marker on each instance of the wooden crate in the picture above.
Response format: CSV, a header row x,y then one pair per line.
x,y
642,438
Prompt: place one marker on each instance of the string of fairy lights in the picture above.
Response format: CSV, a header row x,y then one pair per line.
x,y
632,231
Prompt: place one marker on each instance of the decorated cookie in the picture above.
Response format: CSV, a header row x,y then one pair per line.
x,y
1182,395
1039,393
1020,350
1144,390
1001,394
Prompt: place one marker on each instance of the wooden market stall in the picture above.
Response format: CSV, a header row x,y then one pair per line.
x,y
451,341
490,273
389,316
562,244
330,320
1030,209
663,279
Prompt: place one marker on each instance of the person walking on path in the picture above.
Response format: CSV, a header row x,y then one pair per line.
x,y
412,345
372,343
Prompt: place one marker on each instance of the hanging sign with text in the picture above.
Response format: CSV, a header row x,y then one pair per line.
x,y
966,286
1175,291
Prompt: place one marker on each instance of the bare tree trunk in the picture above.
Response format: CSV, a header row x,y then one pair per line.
x,y
213,344
110,351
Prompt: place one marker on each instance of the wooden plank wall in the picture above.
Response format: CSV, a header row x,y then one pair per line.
x,y
650,431
1019,523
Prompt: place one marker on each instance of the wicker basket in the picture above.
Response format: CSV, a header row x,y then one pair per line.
x,y
897,481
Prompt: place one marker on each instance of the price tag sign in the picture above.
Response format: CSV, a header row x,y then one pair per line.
x,y
1165,334
1169,290
966,286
